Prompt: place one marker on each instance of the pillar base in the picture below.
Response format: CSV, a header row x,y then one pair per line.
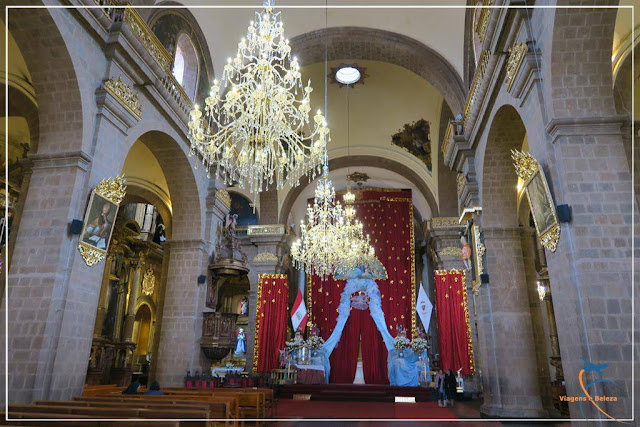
x,y
488,411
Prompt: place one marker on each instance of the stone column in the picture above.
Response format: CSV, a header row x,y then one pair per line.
x,y
134,288
53,294
508,357
179,344
103,302
591,271
527,237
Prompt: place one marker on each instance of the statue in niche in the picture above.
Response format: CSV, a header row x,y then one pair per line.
x,y
230,223
243,306
241,342
466,252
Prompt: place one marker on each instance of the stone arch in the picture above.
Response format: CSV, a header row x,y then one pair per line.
x,y
137,194
504,315
578,63
148,301
362,160
62,90
499,180
380,45
187,181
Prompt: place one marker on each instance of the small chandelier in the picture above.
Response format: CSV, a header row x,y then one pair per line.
x,y
258,131
318,249
332,240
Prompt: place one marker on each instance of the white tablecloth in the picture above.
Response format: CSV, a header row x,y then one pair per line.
x,y
221,372
311,367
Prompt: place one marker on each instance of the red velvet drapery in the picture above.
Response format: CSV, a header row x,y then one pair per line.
x,y
271,321
454,331
387,216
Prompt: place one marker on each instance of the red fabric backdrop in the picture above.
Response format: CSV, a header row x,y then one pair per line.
x,y
271,321
454,331
387,216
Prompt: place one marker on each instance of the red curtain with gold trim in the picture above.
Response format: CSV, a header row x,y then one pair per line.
x,y
454,330
387,216
271,321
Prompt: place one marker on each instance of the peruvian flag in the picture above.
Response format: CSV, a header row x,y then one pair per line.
x,y
299,314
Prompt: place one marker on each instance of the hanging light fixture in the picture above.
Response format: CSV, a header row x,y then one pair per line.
x,y
257,131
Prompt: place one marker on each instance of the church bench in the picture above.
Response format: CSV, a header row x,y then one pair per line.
x,y
99,390
226,407
78,420
252,401
120,412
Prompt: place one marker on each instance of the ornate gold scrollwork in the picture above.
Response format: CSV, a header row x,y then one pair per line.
x,y
266,257
516,55
451,251
90,255
264,230
526,165
148,282
461,181
125,95
224,197
113,189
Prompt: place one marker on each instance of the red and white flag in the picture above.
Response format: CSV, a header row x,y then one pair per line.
x,y
299,314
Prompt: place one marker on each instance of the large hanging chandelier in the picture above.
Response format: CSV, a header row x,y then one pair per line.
x,y
257,131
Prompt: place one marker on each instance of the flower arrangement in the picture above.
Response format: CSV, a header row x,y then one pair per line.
x,y
295,344
419,345
315,342
401,342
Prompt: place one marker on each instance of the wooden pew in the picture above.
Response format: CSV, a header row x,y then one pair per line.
x,y
100,390
229,404
116,412
79,421
251,402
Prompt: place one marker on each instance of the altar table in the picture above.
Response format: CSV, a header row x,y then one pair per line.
x,y
310,374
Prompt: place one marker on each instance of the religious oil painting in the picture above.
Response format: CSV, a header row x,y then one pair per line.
x,y
542,206
416,139
98,222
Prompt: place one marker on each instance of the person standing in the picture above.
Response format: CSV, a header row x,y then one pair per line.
x,y
440,385
450,385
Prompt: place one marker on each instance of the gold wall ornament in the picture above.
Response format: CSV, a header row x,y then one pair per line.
x,y
266,257
461,180
483,18
474,91
447,138
148,282
224,197
516,56
100,218
90,255
451,251
113,189
480,250
445,222
265,230
543,208
526,165
125,95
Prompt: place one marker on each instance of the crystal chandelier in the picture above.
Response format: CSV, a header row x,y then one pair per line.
x,y
258,130
318,249
332,240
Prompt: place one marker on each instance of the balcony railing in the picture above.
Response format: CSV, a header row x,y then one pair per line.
x,y
132,19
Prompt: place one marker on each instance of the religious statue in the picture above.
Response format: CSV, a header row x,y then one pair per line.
x,y
230,223
241,343
243,307
466,252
